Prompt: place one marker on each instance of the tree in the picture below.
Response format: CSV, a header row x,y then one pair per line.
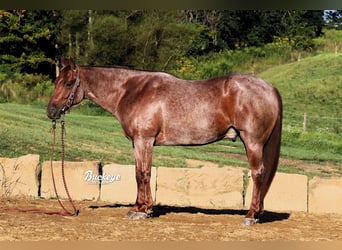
x,y
300,27
111,42
149,32
27,41
165,39
73,34
243,28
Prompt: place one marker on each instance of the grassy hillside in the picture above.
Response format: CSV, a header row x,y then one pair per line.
x,y
312,85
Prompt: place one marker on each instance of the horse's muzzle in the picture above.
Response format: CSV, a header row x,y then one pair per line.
x,y
54,112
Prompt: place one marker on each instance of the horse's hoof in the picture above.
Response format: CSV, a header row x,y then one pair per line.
x,y
249,221
137,215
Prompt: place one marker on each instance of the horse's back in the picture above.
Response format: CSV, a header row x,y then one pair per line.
x,y
180,112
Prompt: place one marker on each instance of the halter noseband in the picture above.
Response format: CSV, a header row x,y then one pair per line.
x,y
71,98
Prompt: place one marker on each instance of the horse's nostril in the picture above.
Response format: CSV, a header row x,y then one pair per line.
x,y
53,112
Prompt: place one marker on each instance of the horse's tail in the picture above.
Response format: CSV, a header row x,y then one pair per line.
x,y
271,149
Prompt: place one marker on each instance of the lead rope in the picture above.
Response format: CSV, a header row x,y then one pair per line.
x,y
65,211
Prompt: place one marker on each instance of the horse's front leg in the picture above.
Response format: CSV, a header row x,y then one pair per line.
x,y
143,148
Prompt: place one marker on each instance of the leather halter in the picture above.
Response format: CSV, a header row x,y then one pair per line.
x,y
71,98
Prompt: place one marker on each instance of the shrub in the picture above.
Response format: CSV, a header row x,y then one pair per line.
x,y
25,88
245,60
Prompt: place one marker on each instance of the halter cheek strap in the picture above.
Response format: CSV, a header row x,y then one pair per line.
x,y
71,98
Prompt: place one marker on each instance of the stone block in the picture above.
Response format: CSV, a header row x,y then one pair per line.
x,y
325,195
19,176
76,175
206,187
288,192
124,189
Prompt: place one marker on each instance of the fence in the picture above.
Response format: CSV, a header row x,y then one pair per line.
x,y
313,123
207,187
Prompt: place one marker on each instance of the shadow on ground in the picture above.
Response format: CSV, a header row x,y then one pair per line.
x,y
159,210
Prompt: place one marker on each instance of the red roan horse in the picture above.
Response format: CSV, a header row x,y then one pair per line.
x,y
156,108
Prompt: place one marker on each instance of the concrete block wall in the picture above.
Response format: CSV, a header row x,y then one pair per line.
x,y
19,176
325,195
76,179
206,187
287,192
124,189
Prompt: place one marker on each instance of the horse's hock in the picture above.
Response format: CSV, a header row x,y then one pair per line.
x,y
206,187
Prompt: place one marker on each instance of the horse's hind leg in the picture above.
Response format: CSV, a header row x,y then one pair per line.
x,y
255,158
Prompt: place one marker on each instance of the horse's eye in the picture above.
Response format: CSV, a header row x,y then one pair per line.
x,y
68,84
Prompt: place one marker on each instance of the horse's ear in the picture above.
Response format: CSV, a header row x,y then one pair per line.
x,y
64,61
72,63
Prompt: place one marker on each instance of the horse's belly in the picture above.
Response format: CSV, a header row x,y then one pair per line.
x,y
188,135
193,124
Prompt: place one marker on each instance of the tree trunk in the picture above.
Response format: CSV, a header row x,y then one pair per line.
x,y
90,23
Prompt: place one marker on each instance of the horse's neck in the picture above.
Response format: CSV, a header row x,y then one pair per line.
x,y
103,86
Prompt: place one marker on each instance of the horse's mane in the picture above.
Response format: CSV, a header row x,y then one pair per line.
x,y
116,67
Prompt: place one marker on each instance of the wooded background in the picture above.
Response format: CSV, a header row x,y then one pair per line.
x,y
32,40
191,44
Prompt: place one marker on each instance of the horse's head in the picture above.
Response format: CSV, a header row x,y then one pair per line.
x,y
68,90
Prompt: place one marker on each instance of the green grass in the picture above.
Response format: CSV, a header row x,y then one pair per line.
x,y
312,85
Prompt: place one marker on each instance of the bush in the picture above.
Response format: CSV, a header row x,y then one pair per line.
x,y
330,42
250,60
25,88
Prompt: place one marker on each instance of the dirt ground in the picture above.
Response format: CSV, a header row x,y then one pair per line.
x,y
107,222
